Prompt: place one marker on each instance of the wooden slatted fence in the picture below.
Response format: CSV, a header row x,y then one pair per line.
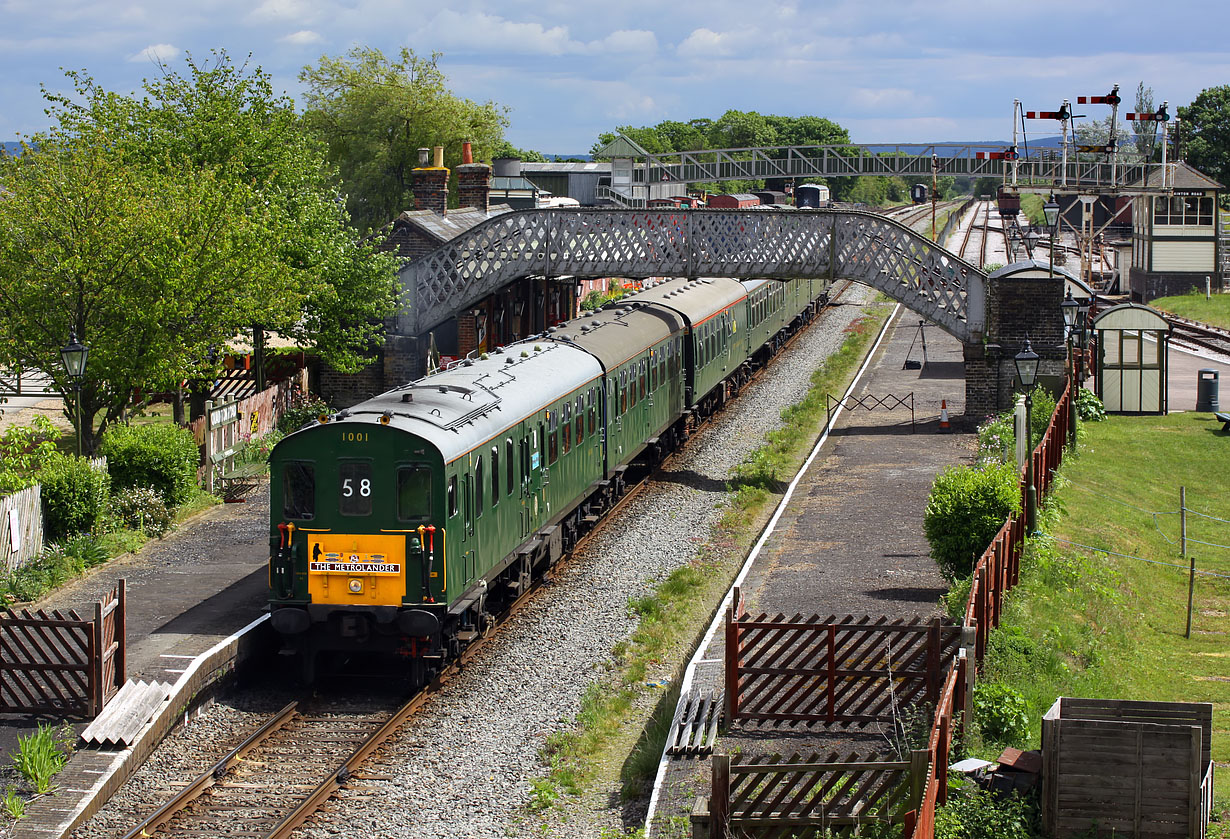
x,y
832,670
61,663
21,527
802,798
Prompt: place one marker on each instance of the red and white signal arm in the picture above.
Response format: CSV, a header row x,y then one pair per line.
x,y
996,155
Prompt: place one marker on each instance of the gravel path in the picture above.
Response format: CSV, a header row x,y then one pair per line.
x,y
464,765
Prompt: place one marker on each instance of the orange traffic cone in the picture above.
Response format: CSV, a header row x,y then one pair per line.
x,y
944,426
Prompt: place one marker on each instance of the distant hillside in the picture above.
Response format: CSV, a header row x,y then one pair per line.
x,y
11,148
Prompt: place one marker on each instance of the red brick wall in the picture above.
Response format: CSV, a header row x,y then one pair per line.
x,y
474,185
431,189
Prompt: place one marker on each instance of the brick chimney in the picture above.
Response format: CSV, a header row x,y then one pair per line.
x,y
431,188
474,186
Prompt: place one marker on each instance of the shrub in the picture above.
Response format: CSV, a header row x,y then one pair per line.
x,y
1001,714
965,510
74,495
24,449
257,449
980,814
304,408
164,457
142,509
997,440
1089,407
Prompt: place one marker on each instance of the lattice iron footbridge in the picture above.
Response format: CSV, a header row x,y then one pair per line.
x,y
778,244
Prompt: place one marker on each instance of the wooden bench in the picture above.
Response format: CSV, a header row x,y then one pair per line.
x,y
1224,419
241,480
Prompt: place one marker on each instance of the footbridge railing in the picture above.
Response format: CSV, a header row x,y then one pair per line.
x,y
779,244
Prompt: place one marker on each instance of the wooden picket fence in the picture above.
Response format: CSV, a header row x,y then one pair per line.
x,y
996,572
21,527
62,663
832,670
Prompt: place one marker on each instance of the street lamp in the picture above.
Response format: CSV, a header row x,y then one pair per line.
x,y
1071,310
73,356
1051,210
1027,372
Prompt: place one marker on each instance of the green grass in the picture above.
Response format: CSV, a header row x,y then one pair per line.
x,y
1088,623
1214,311
671,616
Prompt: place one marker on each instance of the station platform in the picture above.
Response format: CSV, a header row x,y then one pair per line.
x,y
849,539
196,603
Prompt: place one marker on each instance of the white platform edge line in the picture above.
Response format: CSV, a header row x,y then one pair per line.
x,y
720,614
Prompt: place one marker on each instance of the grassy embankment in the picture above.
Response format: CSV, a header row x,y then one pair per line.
x,y
1088,623
1215,311
616,743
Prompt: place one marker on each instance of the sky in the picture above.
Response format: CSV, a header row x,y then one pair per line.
x,y
889,71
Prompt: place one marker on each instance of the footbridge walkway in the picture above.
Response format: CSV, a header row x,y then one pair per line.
x,y
779,244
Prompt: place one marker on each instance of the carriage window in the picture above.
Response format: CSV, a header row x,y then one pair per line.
x,y
299,490
478,487
495,475
552,447
623,391
567,432
452,496
508,468
593,412
580,429
643,366
354,487
414,493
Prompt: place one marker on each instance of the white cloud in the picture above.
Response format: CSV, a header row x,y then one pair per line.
x,y
886,98
626,41
302,37
156,54
279,10
480,32
705,43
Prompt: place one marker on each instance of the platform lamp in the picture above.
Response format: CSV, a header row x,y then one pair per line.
x,y
1071,311
73,356
1051,210
1027,371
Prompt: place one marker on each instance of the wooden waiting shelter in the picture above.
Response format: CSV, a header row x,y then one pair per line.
x,y
1131,359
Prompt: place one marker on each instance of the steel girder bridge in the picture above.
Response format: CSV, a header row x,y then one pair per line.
x,y
777,244
1037,169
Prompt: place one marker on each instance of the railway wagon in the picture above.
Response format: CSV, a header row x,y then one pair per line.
x,y
734,201
399,526
918,193
1009,203
811,196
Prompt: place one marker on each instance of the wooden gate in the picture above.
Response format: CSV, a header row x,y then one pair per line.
x,y
832,670
807,797
62,664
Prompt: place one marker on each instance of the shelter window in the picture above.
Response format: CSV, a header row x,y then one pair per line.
x,y
299,490
354,487
414,493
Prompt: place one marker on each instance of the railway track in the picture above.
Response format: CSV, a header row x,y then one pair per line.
x,y
296,760
970,244
1191,334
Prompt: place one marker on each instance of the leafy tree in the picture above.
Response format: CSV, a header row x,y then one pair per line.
x,y
1145,130
507,149
374,114
158,228
1204,132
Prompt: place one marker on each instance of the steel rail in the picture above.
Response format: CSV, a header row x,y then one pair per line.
x,y
212,775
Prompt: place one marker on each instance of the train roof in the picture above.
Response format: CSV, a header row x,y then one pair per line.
x,y
620,330
697,300
462,407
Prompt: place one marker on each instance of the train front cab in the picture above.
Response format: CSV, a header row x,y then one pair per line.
x,y
358,543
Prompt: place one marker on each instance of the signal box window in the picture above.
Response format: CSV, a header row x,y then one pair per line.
x,y
414,493
299,490
355,487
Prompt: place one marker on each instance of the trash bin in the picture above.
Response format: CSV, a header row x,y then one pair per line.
x,y
1206,390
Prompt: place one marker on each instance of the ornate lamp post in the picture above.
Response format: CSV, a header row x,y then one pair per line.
x,y
1051,210
1071,310
1027,372
73,356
